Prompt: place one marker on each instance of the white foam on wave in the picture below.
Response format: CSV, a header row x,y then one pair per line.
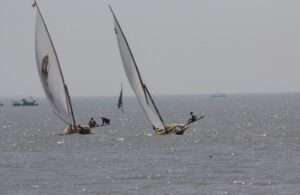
x,y
60,142
6,126
120,139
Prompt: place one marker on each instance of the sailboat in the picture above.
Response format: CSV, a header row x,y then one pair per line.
x,y
120,100
140,89
51,77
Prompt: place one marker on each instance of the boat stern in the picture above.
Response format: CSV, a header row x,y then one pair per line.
x,y
177,129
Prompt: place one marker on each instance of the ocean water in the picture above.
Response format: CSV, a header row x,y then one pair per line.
x,y
246,144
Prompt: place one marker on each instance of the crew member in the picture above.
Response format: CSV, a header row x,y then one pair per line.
x,y
193,117
105,121
92,123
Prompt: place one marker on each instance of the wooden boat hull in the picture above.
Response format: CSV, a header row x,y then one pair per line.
x,y
177,129
81,129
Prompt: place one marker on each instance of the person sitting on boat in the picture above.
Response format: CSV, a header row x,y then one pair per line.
x,y
105,121
193,117
92,123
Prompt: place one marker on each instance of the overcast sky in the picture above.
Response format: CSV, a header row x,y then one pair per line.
x,y
181,46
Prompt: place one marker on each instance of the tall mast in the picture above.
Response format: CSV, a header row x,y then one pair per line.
x,y
71,108
156,109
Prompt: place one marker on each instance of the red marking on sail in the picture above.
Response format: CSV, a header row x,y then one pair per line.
x,y
34,3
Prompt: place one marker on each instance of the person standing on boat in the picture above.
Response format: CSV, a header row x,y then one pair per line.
x,y
92,123
105,121
193,117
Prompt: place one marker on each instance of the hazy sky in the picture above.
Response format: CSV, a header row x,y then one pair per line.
x,y
181,46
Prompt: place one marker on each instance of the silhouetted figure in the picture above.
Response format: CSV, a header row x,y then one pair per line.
x,y
105,121
193,117
92,123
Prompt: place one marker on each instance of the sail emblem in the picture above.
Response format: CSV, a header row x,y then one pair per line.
x,y
45,65
45,70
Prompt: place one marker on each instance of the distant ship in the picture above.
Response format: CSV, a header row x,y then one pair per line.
x,y
218,95
25,102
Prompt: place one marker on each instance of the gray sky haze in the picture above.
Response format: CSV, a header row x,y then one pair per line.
x,y
181,47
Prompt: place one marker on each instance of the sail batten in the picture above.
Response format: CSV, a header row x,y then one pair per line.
x,y
50,72
135,79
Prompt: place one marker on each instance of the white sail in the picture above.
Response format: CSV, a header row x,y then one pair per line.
x,y
135,80
50,72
